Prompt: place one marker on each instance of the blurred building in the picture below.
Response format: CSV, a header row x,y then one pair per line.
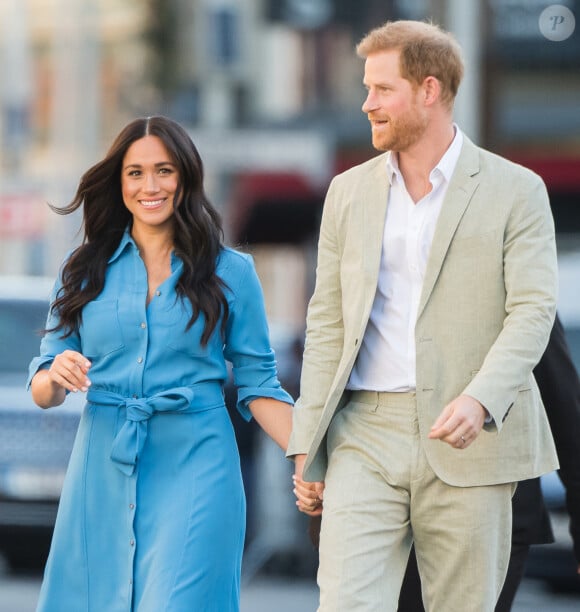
x,y
71,69
271,90
532,93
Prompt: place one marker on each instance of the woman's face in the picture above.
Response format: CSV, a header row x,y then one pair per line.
x,y
149,180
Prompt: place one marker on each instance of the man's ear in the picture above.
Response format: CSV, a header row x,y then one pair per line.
x,y
431,90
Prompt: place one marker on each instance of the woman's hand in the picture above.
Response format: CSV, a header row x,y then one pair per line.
x,y
309,495
68,372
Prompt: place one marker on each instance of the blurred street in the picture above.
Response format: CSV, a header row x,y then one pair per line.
x,y
285,594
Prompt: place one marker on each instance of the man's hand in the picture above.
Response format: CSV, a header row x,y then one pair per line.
x,y
308,494
460,422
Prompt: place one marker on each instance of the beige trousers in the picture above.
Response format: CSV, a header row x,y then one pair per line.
x,y
381,495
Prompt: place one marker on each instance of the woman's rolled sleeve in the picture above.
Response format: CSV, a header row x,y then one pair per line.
x,y
248,343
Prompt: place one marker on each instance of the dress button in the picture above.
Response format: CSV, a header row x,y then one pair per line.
x,y
143,325
158,293
132,542
131,506
139,359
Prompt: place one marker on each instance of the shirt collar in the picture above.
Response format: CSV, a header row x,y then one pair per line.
x,y
450,158
445,166
126,240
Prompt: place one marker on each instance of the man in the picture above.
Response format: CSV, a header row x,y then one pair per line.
x,y
559,386
435,295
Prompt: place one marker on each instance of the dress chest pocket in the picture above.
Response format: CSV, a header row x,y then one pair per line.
x,y
172,329
100,330
186,342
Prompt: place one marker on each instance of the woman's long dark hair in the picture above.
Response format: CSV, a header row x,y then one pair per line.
x,y
198,235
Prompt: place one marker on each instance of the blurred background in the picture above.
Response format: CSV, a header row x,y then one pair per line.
x,y
270,91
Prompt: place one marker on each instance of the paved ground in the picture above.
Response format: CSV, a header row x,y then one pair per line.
x,y
268,594
285,595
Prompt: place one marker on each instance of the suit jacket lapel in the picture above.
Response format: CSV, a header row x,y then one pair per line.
x,y
461,188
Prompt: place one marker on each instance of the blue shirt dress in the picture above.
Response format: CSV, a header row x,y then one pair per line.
x,y
152,512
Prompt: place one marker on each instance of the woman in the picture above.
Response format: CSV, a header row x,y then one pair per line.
x,y
144,316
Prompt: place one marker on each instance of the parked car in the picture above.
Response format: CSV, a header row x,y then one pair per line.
x,y
35,444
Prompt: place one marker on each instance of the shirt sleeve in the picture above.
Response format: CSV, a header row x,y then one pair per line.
x,y
52,343
247,344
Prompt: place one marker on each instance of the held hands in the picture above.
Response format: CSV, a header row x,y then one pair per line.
x,y
458,425
309,495
69,370
460,422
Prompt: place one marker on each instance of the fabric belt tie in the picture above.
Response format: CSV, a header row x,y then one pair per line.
x,y
129,441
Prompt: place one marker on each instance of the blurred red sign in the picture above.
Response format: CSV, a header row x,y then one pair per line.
x,y
22,215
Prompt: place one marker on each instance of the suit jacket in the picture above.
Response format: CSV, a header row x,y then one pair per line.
x,y
559,385
485,314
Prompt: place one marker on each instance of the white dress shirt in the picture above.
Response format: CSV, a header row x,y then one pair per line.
x,y
386,361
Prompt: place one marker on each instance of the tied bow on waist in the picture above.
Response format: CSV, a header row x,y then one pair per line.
x,y
129,441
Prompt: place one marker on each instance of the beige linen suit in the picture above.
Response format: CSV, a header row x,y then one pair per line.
x,y
487,307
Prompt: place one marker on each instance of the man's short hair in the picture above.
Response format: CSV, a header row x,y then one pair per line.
x,y
425,50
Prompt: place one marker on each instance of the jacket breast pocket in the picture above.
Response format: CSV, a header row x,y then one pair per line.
x,y
100,330
483,245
